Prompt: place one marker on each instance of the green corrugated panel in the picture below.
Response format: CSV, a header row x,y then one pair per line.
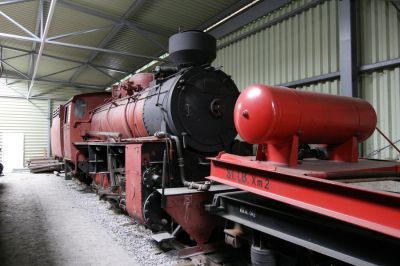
x,y
379,31
382,90
329,87
114,7
380,41
299,47
24,13
173,14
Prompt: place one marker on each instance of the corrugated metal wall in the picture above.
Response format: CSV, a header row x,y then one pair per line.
x,y
379,27
382,90
299,47
30,117
307,45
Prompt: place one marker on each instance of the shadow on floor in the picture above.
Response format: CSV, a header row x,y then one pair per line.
x,y
23,237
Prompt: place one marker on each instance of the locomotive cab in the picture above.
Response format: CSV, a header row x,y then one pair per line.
x,y
76,116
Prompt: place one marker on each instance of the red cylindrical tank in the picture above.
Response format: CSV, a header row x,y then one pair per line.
x,y
273,115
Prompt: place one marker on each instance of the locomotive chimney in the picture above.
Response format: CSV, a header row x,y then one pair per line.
x,y
192,48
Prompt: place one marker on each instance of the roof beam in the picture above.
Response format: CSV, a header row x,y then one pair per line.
x,y
17,24
17,56
78,46
104,73
114,31
233,8
148,37
79,32
59,72
15,69
42,44
68,60
15,82
12,75
272,22
19,37
247,16
85,47
10,2
97,13
38,32
396,4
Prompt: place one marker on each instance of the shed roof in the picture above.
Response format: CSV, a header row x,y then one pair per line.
x,y
93,43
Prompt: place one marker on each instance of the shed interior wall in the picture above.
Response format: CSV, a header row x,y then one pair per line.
x,y
307,45
302,46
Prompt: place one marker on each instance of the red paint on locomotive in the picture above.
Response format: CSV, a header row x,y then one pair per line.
x,y
135,83
124,116
77,115
133,185
56,133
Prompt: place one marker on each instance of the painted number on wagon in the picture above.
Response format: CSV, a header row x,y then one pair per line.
x,y
247,179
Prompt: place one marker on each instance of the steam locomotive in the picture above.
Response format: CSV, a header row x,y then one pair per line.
x,y
146,145
161,148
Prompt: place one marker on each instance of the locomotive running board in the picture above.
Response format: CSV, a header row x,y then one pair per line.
x,y
371,209
185,190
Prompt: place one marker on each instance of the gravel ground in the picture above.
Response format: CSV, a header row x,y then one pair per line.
x,y
46,220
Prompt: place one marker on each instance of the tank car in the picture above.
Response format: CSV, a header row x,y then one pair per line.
x,y
146,148
291,209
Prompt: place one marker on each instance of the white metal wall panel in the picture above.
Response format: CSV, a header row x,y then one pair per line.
x,y
28,117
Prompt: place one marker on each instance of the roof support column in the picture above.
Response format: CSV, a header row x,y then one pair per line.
x,y
42,44
348,51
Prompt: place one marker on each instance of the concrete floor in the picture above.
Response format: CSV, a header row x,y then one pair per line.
x,y
39,225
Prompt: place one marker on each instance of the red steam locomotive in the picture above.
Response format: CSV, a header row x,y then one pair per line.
x,y
149,148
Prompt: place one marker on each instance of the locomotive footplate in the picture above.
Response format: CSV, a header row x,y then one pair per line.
x,y
331,237
186,207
